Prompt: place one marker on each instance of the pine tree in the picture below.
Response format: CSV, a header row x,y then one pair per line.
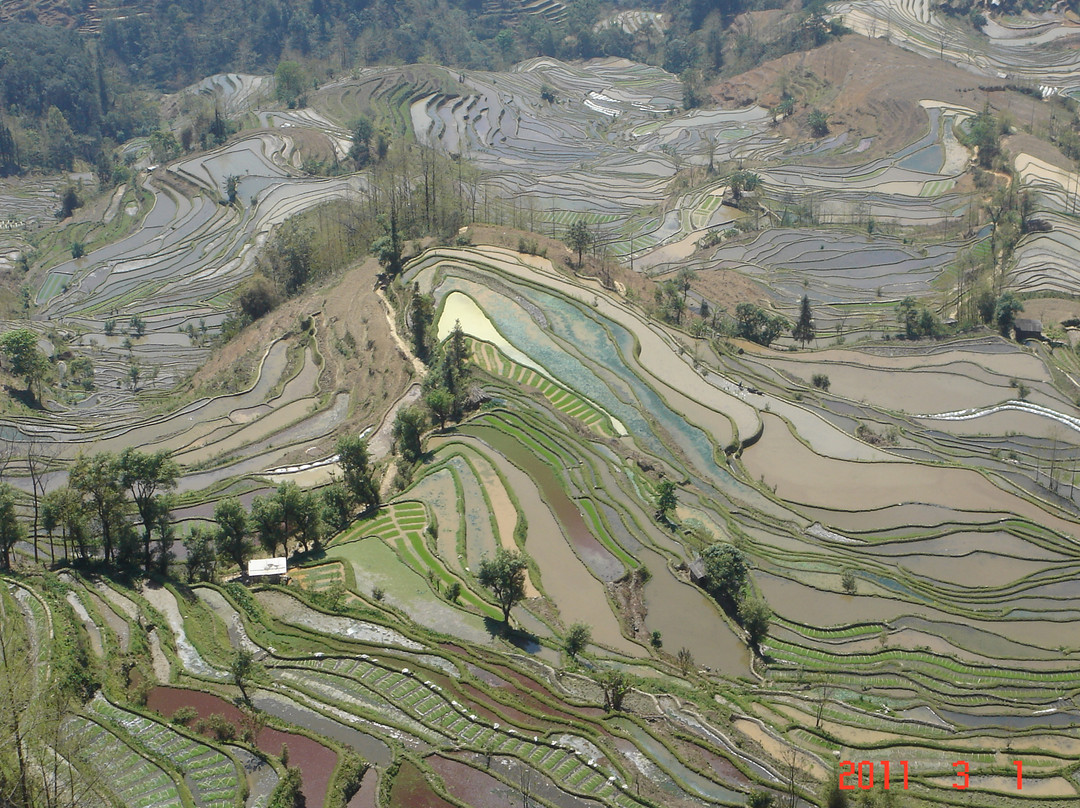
x,y
9,152
578,238
804,328
421,317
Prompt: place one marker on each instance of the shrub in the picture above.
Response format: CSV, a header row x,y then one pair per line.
x,y
685,660
820,381
847,580
217,725
350,771
185,715
577,638
287,792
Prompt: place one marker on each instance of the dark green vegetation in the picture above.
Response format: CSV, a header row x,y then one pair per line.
x,y
632,542
72,95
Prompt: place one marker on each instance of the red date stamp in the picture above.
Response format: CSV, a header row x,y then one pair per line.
x,y
862,774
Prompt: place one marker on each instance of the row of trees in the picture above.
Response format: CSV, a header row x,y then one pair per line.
x,y
289,514
117,507
446,388
727,573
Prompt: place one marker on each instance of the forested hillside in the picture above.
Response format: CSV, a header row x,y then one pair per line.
x,y
89,62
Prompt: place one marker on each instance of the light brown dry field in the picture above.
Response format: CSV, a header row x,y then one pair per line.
x,y
872,89
312,144
375,375
727,288
1051,310
562,259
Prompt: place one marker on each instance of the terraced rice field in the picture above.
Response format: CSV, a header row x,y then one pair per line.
x,y
912,523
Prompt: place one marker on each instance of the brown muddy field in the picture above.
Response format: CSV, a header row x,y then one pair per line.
x,y
315,761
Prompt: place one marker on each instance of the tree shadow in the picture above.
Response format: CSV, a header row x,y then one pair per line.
x,y
523,640
308,556
24,396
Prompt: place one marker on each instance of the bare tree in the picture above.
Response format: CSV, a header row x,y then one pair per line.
x,y
791,765
525,785
825,688
38,459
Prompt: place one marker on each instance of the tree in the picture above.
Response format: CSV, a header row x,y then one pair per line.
x,y
727,571
684,279
98,477
290,500
289,81
408,427
24,357
387,248
357,471
232,188
201,559
984,134
288,792
360,151
918,321
241,669
69,202
64,508
504,575
577,638
421,316
743,181
144,475
757,325
1005,311
266,522
257,296
232,536
578,238
819,122
671,301
615,684
11,530
452,371
9,152
441,404
759,799
848,581
666,500
832,796
59,141
309,525
37,462
685,660
337,505
803,331
755,616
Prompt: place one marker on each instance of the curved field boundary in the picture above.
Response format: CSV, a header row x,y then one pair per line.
x,y
212,776
489,358
134,779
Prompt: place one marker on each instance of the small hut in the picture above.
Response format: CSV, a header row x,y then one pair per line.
x,y
1026,329
272,568
697,572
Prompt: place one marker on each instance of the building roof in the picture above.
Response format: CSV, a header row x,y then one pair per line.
x,y
266,566
1026,324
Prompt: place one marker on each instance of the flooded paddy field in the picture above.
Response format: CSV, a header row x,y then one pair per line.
x,y
911,524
